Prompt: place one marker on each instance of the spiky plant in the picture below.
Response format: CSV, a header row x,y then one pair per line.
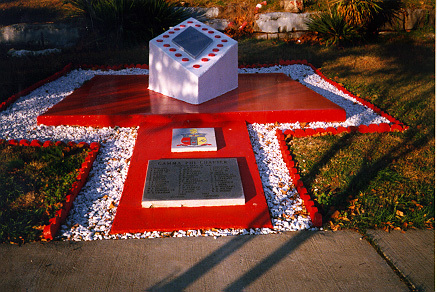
x,y
333,28
133,20
358,12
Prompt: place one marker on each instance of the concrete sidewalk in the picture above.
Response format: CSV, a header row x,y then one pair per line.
x,y
293,261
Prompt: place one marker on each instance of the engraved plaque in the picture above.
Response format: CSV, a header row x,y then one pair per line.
x,y
192,41
193,183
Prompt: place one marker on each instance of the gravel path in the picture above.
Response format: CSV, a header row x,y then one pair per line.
x,y
94,209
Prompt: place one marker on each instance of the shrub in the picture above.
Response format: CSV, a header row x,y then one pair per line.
x,y
131,20
358,13
367,15
333,28
389,13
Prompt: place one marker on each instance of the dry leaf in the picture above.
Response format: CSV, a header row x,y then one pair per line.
x,y
335,214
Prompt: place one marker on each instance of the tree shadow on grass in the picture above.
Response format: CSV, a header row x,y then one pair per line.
x,y
368,171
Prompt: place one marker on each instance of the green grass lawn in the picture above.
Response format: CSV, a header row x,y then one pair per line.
x,y
369,180
34,182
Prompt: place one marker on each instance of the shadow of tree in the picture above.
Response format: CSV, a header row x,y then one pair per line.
x,y
274,258
411,141
215,258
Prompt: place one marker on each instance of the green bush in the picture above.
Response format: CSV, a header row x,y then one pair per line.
x,y
389,13
129,20
333,28
358,13
351,20
367,15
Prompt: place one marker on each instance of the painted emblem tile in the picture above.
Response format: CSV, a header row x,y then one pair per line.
x,y
193,139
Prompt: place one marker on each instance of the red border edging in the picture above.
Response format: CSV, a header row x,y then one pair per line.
x,y
361,100
64,71
52,228
26,91
315,215
396,125
115,67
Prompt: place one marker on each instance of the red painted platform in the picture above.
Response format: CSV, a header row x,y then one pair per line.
x,y
124,100
154,142
119,100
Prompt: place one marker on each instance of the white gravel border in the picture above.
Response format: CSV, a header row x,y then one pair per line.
x,y
94,208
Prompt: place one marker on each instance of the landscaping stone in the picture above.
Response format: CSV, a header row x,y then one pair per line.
x,y
397,24
416,18
94,209
54,35
202,13
275,22
292,6
218,24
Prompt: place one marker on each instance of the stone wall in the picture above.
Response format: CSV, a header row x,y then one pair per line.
x,y
46,35
287,24
267,25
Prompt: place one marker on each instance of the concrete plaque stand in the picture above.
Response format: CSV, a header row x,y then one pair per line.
x,y
193,71
193,183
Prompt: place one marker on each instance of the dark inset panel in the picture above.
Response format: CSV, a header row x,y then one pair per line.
x,y
192,42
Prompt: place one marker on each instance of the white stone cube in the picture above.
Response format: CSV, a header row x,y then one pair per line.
x,y
174,70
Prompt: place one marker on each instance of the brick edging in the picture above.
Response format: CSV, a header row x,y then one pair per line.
x,y
395,125
315,215
29,89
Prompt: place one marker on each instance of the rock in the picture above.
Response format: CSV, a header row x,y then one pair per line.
x,y
292,6
40,35
276,22
218,24
396,24
415,18
202,13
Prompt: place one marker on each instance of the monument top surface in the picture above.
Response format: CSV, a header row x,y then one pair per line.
x,y
194,45
192,41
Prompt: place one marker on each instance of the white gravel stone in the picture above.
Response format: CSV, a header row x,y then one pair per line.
x,y
95,207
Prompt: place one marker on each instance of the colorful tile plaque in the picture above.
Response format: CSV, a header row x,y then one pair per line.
x,y
193,139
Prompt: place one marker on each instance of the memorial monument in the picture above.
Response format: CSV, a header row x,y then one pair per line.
x,y
193,165
193,62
